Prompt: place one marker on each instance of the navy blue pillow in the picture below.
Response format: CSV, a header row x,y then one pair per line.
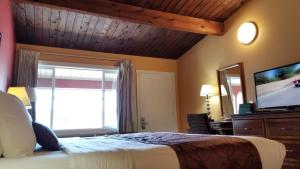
x,y
45,137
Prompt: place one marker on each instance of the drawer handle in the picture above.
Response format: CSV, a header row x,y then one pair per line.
x,y
289,150
247,128
286,129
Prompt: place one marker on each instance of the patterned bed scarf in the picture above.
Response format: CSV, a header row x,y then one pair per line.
x,y
195,151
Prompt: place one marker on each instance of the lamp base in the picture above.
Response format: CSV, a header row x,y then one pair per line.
x,y
208,108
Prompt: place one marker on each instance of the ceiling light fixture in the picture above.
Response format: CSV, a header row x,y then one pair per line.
x,y
247,33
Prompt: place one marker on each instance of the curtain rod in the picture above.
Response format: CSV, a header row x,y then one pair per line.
x,y
81,56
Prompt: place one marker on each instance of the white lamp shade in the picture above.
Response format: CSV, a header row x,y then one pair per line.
x,y
21,93
223,91
207,90
247,33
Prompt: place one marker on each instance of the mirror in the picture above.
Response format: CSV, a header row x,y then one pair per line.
x,y
231,88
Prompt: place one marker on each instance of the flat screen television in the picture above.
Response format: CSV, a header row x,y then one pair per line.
x,y
278,87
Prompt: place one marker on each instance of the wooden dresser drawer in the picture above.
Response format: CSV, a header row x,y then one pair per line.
x,y
290,166
292,150
249,127
288,128
292,158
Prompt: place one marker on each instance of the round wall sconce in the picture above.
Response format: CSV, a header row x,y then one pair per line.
x,y
247,33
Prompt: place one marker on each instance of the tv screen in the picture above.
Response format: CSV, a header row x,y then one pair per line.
x,y
278,87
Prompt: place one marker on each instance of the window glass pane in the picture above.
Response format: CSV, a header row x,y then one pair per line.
x,y
110,100
78,99
76,108
44,96
82,98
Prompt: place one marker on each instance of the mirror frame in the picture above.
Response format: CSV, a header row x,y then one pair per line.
x,y
243,82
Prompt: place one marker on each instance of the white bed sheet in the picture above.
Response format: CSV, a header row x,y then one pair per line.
x,y
39,160
108,153
129,155
272,153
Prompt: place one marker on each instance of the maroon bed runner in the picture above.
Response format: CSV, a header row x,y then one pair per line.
x,y
197,151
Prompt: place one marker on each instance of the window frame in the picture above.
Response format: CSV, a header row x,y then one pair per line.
x,y
79,132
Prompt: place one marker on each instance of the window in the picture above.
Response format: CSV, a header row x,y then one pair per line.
x,y
72,98
236,91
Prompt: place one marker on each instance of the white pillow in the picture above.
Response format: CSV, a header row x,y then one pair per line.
x,y
17,137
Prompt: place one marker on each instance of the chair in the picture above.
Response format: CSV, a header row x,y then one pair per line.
x,y
199,124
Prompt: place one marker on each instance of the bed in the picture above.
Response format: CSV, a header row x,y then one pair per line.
x,y
160,150
115,152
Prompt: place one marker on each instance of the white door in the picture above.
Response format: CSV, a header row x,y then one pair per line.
x,y
156,101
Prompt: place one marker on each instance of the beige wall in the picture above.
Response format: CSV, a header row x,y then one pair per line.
x,y
278,43
139,62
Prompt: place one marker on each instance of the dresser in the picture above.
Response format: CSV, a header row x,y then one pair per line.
x,y
281,126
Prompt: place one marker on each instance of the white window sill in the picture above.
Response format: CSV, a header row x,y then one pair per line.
x,y
85,132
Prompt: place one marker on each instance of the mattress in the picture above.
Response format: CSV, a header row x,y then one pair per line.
x,y
142,156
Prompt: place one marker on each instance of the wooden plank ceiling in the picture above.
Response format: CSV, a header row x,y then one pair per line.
x,y
61,27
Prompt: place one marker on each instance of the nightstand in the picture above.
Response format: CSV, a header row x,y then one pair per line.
x,y
222,127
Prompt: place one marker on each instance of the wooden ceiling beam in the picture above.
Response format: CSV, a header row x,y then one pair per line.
x,y
135,14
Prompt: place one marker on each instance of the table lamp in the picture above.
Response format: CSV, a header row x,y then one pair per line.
x,y
207,91
21,93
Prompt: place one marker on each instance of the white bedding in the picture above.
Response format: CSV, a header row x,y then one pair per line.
x,y
39,160
272,153
106,153
99,153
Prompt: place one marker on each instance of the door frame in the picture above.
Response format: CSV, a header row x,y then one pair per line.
x,y
173,88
